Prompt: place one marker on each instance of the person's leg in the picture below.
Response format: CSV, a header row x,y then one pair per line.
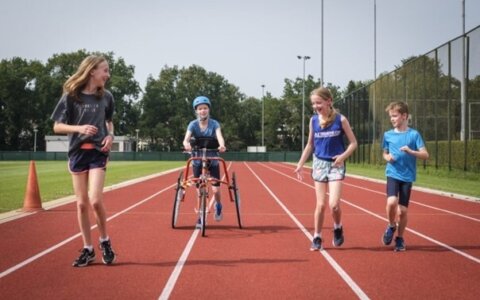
x,y
402,224
335,191
392,209
318,216
320,193
80,187
96,183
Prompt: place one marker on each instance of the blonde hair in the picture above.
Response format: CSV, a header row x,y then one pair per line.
x,y
325,94
399,106
79,80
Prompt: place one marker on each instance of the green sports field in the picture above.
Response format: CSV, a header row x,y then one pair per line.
x,y
55,181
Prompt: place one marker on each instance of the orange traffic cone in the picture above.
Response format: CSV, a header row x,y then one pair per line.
x,y
32,201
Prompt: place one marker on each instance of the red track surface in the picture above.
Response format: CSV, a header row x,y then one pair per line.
x,y
268,259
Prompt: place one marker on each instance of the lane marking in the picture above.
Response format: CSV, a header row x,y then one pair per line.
x,y
416,202
47,251
455,250
355,288
172,280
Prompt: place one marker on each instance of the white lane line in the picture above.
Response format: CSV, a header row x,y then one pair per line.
x,y
466,255
355,288
167,290
172,280
45,252
416,202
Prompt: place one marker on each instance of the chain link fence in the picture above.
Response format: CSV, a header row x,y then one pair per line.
x,y
432,85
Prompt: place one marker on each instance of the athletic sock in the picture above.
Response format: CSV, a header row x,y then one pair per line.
x,y
336,226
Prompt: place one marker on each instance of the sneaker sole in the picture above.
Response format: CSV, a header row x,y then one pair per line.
x,y
91,260
337,245
109,263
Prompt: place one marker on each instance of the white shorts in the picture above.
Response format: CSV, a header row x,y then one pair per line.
x,y
323,171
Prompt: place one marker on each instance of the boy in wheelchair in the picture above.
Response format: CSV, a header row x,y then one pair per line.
x,y
205,132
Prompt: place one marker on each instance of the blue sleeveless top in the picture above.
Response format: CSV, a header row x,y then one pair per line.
x,y
328,142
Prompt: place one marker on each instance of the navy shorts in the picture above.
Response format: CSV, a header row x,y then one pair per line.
x,y
399,189
84,160
214,170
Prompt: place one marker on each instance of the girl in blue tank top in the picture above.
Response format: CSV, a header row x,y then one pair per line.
x,y
325,141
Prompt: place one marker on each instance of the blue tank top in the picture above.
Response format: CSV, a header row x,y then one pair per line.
x,y
328,142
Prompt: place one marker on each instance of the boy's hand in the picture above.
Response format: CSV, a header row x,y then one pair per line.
x,y
222,149
405,149
389,158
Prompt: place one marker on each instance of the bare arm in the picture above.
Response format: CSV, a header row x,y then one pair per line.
x,y
422,153
82,129
305,154
220,140
186,141
352,142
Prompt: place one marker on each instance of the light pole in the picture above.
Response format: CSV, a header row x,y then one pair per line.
x,y
263,115
137,130
303,99
35,130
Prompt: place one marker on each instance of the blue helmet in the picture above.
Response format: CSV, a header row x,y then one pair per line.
x,y
201,100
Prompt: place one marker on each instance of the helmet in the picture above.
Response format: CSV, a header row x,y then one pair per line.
x,y
201,100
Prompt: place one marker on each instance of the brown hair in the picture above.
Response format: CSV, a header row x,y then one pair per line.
x,y
325,94
79,80
399,106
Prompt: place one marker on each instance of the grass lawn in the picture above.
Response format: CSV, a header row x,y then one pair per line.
x,y
55,182
465,183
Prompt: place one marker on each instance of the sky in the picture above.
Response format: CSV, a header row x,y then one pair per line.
x,y
248,42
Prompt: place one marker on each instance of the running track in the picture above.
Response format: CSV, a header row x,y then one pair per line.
x,y
268,259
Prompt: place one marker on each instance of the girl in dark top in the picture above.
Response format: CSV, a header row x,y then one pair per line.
x,y
84,113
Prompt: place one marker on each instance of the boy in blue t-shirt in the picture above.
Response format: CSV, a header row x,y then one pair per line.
x,y
402,146
205,127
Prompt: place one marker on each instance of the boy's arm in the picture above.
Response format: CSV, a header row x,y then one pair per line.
x,y
422,153
387,156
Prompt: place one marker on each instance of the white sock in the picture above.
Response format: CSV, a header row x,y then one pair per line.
x,y
317,235
90,248
336,226
104,239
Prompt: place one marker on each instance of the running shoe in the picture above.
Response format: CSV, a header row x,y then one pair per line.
x,y
218,212
388,235
108,256
316,244
399,244
85,258
338,237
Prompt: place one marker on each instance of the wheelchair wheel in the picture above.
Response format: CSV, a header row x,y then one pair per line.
x,y
236,198
179,195
203,208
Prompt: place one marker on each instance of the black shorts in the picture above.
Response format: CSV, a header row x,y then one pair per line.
x,y
399,189
83,160
214,170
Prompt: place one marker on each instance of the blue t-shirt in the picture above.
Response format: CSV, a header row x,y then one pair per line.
x,y
404,167
210,131
212,126
328,141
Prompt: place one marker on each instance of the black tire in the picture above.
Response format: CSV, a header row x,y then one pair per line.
x,y
179,195
203,209
236,198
